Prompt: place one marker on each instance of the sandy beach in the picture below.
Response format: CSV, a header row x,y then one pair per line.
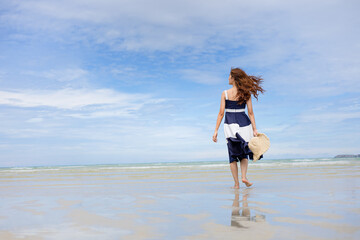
x,y
289,199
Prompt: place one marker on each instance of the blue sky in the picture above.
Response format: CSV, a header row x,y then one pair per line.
x,y
87,82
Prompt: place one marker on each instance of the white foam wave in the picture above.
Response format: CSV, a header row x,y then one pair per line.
x,y
185,165
307,163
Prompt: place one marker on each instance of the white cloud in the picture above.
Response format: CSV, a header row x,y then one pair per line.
x,y
143,25
201,76
330,112
299,47
281,149
35,120
61,75
328,117
278,128
2,74
101,114
302,50
72,98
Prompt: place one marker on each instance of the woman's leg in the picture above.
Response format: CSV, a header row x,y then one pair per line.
x,y
234,171
244,165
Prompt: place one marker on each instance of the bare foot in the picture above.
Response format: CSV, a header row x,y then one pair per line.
x,y
247,183
236,186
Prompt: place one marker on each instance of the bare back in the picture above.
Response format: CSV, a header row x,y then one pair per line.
x,y
232,96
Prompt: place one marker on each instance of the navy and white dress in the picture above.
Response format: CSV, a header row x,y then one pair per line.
x,y
238,130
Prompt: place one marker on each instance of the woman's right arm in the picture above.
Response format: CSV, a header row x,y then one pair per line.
x,y
220,116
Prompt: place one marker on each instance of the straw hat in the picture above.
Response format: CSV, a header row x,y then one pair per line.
x,y
259,145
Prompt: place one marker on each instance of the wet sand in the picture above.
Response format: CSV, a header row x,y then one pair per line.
x,y
181,202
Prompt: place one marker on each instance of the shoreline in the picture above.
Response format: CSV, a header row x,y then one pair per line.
x,y
194,202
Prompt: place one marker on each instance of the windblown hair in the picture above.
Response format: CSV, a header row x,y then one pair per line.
x,y
246,85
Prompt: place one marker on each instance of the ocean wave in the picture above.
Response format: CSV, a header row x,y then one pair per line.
x,y
305,163
180,165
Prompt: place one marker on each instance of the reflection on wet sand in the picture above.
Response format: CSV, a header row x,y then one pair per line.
x,y
238,219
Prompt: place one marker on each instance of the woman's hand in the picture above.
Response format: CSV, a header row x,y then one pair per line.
x,y
215,136
255,133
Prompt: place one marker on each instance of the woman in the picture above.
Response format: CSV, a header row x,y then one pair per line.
x,y
239,128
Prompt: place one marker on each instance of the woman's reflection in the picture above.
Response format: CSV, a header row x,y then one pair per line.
x,y
239,219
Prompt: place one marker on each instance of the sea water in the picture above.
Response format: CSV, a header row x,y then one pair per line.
x,y
263,163
308,198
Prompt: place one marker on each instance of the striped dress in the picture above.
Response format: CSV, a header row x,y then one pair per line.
x,y
238,130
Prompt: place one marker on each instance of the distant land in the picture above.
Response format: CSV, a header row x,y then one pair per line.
x,y
347,156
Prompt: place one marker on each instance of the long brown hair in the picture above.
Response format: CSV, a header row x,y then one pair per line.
x,y
246,85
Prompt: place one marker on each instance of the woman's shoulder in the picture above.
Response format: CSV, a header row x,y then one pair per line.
x,y
230,90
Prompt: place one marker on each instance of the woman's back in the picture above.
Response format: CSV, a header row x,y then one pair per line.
x,y
231,102
232,92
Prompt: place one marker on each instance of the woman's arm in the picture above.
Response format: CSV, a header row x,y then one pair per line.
x,y
251,115
220,116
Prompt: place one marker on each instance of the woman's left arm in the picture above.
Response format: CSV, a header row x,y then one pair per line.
x,y
251,115
220,116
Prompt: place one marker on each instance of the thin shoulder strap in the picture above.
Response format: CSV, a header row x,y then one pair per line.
x,y
226,96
